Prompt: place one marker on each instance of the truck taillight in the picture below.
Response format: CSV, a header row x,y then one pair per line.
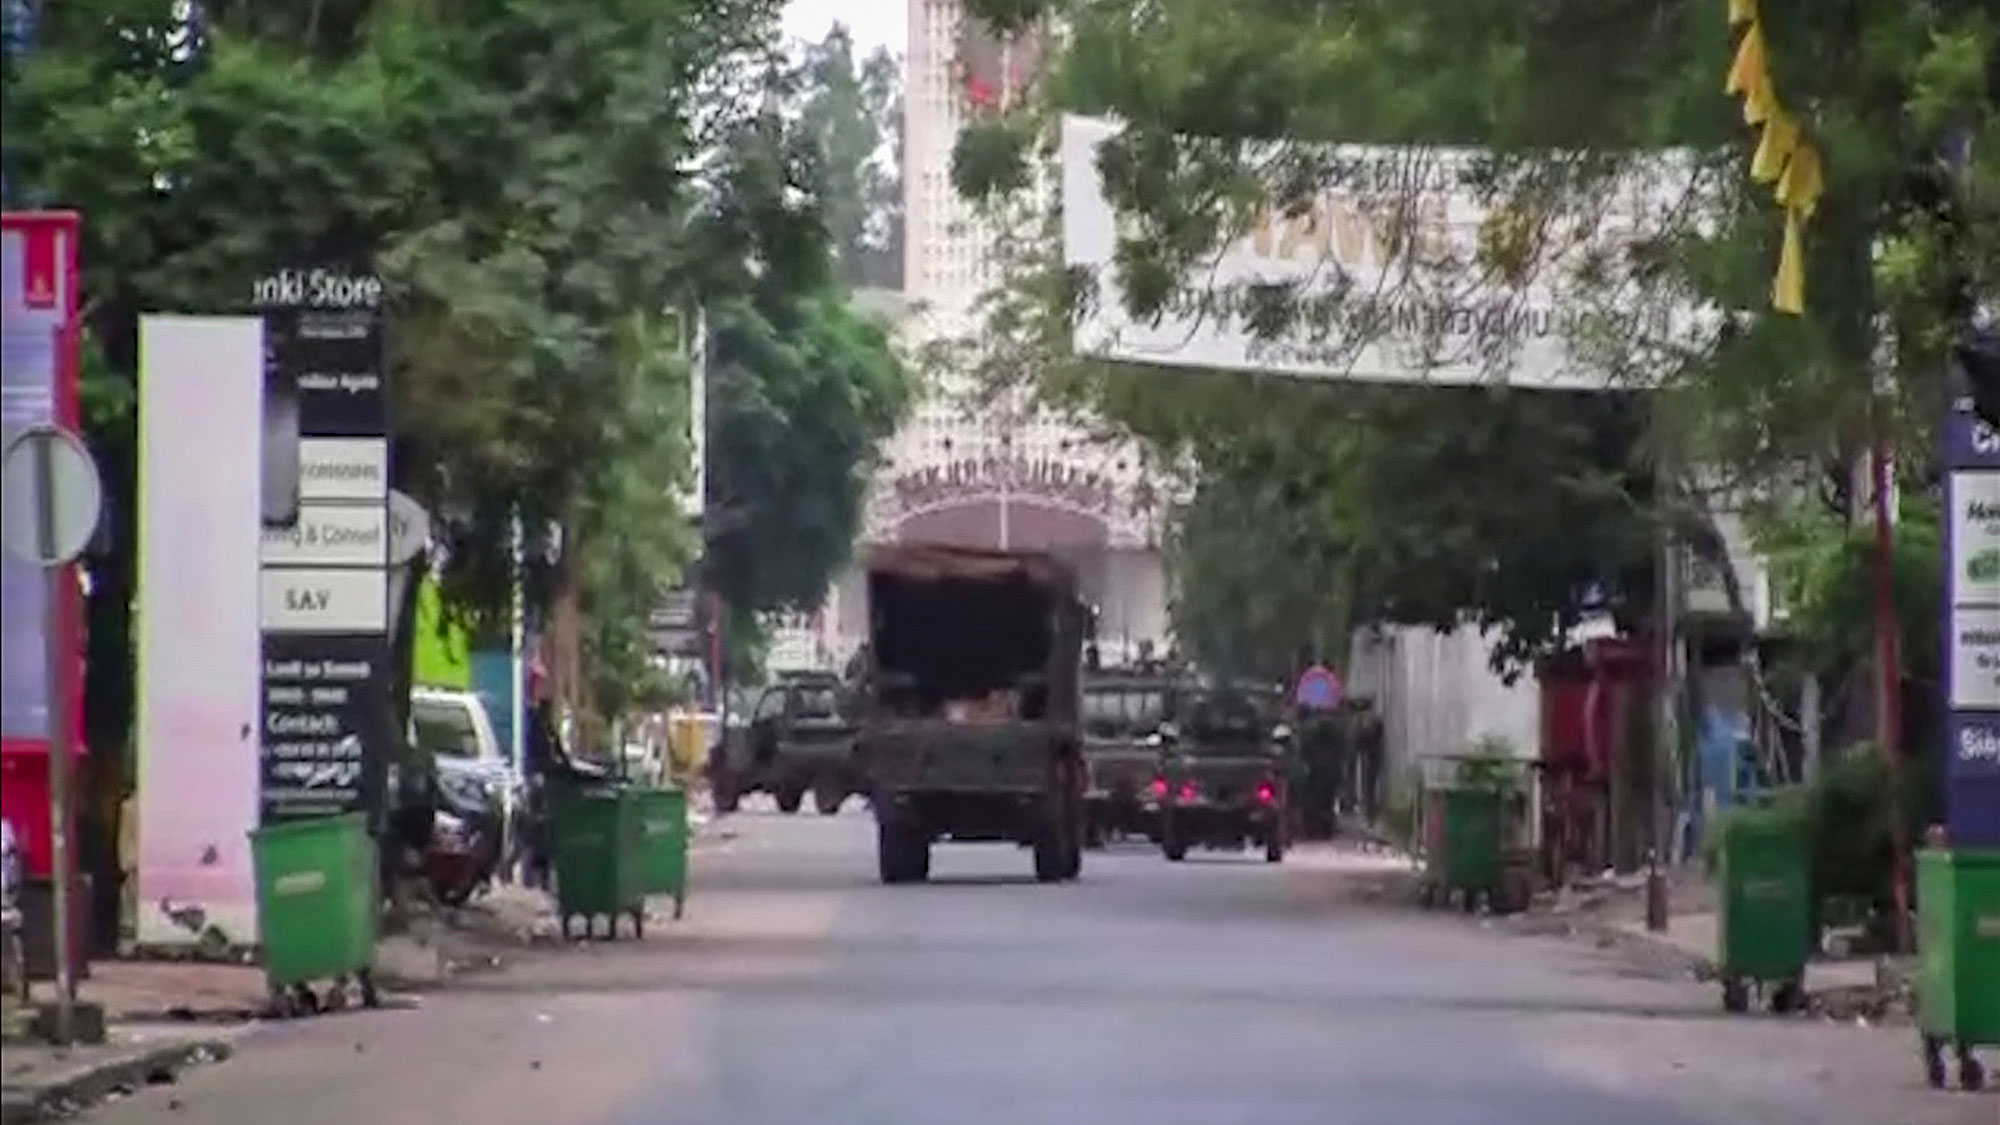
x,y
1159,787
1267,794
1188,791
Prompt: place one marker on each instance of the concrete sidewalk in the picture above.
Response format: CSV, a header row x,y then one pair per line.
x,y
44,1083
1613,914
1697,937
161,1017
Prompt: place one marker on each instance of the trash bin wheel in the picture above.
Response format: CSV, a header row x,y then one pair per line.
x,y
680,904
1971,1075
336,995
1788,998
1735,995
1934,1069
306,999
638,923
370,998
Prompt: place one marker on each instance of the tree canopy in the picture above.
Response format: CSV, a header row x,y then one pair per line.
x,y
806,385
550,190
1516,507
854,107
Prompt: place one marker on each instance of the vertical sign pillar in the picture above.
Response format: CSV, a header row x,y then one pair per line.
x,y
327,730
1972,629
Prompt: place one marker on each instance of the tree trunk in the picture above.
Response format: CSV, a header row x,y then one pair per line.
x,y
565,634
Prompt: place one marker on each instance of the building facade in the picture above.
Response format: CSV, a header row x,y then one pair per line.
x,y
994,474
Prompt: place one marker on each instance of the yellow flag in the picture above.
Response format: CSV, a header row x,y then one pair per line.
x,y
1804,179
1783,158
1750,73
1788,289
1781,139
1759,104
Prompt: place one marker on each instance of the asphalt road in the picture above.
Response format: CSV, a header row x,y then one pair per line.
x,y
1218,992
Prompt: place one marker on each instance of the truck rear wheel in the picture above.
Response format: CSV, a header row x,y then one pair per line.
x,y
790,797
722,788
828,799
902,854
1051,856
1052,840
1079,828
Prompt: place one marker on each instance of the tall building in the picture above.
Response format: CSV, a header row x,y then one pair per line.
x,y
1000,474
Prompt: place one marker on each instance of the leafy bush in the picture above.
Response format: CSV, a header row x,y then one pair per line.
x,y
1854,825
1849,822
1491,766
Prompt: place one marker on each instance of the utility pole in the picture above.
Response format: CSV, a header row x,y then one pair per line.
x,y
1666,739
1888,667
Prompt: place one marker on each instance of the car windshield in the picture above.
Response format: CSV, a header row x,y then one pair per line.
x,y
444,728
817,703
1227,717
1109,712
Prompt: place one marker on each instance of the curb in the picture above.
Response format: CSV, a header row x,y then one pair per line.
x,y
1606,934
1876,1004
88,1084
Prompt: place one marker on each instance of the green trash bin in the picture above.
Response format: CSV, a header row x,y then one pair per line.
x,y
1958,978
318,894
598,870
1765,928
1463,829
663,842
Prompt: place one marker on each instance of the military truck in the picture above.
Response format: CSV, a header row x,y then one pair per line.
x,y
1124,712
969,700
1224,771
799,739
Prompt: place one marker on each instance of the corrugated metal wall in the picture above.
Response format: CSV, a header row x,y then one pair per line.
x,y
1437,695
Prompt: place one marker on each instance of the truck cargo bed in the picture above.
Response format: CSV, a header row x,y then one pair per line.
x,y
938,755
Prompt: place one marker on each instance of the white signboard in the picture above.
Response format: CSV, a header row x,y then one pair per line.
x,y
343,469
325,600
1975,658
199,669
1975,537
1454,327
330,535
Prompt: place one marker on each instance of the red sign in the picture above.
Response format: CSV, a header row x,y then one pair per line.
x,y
40,316
41,269
1319,689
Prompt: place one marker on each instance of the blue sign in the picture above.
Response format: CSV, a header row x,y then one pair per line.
x,y
493,677
1972,629
1319,689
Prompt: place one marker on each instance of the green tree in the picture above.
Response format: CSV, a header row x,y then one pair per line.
x,y
806,389
854,108
804,386
525,175
1563,102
